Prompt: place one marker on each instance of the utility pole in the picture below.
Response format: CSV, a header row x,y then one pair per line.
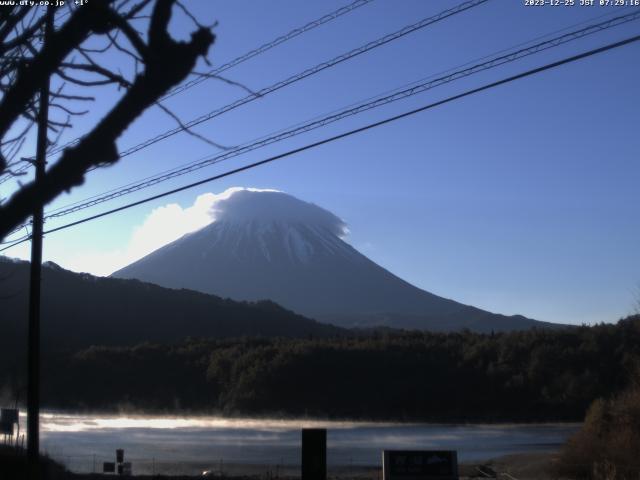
x,y
33,351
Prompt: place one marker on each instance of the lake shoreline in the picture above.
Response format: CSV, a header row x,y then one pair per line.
x,y
316,419
523,466
183,445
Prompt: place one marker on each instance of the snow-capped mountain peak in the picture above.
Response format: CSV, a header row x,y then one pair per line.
x,y
270,245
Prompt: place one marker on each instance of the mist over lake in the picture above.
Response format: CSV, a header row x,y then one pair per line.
x,y
190,445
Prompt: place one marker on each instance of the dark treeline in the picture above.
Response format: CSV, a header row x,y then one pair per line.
x,y
534,375
80,310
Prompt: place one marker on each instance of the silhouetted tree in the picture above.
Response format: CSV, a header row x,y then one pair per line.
x,y
534,375
73,58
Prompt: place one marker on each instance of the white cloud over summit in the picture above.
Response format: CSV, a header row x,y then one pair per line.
x,y
170,222
271,206
163,225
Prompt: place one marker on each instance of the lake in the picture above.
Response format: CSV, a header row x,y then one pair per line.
x,y
189,445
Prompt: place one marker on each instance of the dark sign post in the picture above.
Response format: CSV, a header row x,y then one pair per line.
x,y
120,465
109,467
420,465
8,418
9,415
314,454
6,428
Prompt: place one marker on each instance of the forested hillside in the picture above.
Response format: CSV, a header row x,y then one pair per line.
x,y
532,376
80,310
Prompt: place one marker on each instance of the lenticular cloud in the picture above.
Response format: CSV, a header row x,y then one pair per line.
x,y
250,205
267,245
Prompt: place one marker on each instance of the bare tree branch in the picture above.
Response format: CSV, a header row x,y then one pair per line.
x,y
227,81
87,19
81,98
110,76
167,62
189,131
68,110
84,83
13,18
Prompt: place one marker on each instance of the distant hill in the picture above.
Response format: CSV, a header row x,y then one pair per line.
x,y
79,310
272,245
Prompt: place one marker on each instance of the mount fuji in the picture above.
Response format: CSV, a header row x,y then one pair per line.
x,y
266,244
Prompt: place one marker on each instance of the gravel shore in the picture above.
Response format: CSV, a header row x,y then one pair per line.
x,y
524,466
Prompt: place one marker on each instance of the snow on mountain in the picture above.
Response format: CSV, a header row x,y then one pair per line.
x,y
270,245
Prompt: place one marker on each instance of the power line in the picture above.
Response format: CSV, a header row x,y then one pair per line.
x,y
350,111
370,126
269,45
232,63
24,238
290,80
299,76
600,26
252,53
308,72
397,95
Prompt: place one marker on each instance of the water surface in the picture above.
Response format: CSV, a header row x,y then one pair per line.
x,y
192,444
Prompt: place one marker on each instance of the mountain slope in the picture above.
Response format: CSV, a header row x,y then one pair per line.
x,y
79,310
269,245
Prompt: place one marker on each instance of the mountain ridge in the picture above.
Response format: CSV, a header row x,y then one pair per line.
x,y
267,244
79,310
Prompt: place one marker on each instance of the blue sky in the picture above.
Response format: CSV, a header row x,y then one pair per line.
x,y
522,199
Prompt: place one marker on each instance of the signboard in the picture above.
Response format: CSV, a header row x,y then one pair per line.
x,y
6,428
119,455
9,415
109,467
314,454
420,465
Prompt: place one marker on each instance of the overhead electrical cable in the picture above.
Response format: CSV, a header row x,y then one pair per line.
x,y
414,89
288,81
349,133
302,75
268,46
425,22
232,63
252,53
434,75
302,128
